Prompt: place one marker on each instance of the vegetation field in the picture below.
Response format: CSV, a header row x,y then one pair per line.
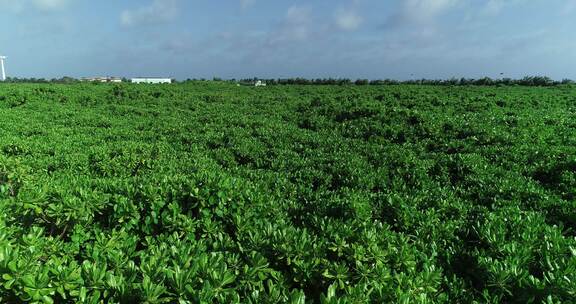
x,y
210,193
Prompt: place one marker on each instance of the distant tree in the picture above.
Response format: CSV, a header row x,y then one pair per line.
x,y
452,81
67,80
485,81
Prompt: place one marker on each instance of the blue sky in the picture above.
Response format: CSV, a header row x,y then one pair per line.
x,y
400,39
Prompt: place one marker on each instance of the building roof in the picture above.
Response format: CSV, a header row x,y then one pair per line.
x,y
151,78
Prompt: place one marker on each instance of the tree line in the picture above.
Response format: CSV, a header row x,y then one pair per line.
x,y
485,81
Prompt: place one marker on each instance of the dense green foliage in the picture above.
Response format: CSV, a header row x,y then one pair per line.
x,y
213,193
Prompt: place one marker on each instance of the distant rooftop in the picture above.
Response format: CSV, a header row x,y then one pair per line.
x,y
152,77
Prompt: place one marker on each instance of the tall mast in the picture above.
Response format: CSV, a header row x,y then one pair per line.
x,y
2,58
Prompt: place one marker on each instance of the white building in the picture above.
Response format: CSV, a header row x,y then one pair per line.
x,y
153,80
260,83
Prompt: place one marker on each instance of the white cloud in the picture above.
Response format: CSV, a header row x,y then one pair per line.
x,y
348,20
420,12
426,10
296,26
297,15
50,4
495,7
244,4
19,6
159,11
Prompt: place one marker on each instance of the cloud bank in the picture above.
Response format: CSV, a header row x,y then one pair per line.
x,y
348,20
159,11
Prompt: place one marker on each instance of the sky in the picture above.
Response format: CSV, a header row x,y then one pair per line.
x,y
373,39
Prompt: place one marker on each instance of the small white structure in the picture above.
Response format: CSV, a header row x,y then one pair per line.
x,y
2,58
260,83
152,80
